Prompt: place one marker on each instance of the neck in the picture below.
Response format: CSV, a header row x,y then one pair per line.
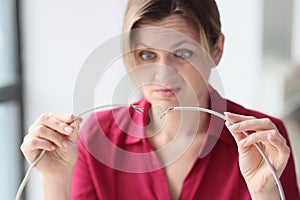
x,y
187,123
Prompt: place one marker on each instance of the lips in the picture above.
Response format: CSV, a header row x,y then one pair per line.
x,y
167,93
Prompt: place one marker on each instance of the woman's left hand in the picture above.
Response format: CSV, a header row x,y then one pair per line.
x,y
254,169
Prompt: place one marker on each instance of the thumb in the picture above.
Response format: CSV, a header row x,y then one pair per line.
x,y
238,136
76,125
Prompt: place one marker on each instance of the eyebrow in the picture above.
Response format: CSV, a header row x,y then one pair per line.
x,y
141,44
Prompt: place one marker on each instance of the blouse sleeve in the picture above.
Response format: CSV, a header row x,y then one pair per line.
x,y
288,178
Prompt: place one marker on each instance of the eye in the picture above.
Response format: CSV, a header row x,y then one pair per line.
x,y
184,53
146,55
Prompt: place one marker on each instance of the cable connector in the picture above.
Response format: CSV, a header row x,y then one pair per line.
x,y
138,108
164,112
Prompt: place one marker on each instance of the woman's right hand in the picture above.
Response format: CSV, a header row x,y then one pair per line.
x,y
57,133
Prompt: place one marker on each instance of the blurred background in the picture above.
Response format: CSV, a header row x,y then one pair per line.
x,y
43,45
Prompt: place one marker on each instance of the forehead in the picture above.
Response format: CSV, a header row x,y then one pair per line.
x,y
166,33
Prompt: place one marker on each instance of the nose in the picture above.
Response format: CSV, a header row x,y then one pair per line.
x,y
162,73
164,58
165,67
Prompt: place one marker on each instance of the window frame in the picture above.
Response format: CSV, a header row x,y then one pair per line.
x,y
14,91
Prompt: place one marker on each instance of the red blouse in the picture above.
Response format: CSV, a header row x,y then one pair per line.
x,y
116,161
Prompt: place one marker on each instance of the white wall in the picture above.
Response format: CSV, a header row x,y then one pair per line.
x,y
58,35
241,65
296,32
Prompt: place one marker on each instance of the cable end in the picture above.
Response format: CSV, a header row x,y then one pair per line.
x,y
137,108
164,112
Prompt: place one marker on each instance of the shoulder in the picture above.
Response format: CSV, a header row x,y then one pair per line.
x,y
239,109
222,104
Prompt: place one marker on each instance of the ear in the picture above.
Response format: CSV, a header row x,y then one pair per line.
x,y
217,50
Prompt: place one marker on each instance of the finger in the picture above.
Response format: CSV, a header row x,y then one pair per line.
x,y
238,136
234,118
253,124
284,153
50,135
39,144
35,143
260,136
267,137
32,147
55,124
280,144
67,118
63,117
76,124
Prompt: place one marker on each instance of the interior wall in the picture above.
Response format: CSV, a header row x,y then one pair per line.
x,y
58,36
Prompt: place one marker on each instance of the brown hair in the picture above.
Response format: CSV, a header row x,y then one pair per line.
x,y
202,14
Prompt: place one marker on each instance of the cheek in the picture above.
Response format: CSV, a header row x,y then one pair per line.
x,y
194,78
146,92
201,64
194,72
145,89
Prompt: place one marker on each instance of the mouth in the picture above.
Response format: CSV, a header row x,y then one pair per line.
x,y
167,93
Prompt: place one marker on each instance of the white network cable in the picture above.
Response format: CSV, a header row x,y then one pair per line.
x,y
25,180
281,191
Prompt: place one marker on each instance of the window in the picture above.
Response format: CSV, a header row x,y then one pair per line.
x,y
11,167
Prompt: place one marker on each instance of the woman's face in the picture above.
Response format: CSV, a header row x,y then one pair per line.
x,y
171,67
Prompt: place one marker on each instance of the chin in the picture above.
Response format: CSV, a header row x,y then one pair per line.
x,y
164,103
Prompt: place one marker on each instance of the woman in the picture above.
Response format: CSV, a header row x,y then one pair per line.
x,y
164,54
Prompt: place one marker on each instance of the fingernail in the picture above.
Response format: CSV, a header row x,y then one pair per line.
x,y
234,127
80,120
65,144
242,142
228,114
68,129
